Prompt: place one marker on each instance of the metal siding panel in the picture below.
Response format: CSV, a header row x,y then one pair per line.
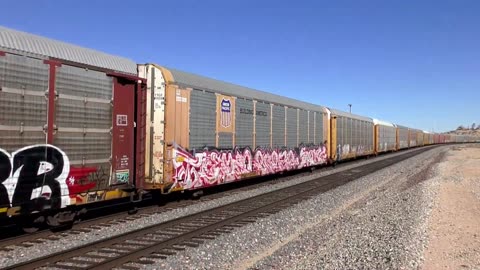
x,y
346,131
83,82
11,141
339,130
22,72
358,135
244,123
202,119
387,138
88,150
278,126
78,114
76,111
291,127
225,140
29,110
371,140
80,146
348,135
351,134
355,134
358,130
343,139
262,123
393,137
187,79
23,106
84,98
303,127
34,45
319,129
313,126
361,134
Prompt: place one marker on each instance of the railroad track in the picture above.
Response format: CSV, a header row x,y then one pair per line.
x,y
98,221
145,246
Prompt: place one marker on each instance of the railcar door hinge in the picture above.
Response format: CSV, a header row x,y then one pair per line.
x,y
45,129
47,93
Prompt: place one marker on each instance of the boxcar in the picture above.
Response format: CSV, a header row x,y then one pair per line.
x,y
67,132
385,136
351,135
203,132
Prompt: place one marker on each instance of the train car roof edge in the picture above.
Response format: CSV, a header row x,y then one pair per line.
x,y
350,115
15,41
186,79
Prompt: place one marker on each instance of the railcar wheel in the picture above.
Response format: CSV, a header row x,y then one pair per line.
x,y
62,227
30,229
133,211
196,195
61,221
30,225
158,198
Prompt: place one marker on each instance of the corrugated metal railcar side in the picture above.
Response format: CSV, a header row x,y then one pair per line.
x,y
385,136
420,138
67,131
427,138
205,132
351,135
412,137
402,137
443,138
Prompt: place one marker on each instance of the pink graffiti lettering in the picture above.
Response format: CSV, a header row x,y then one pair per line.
x,y
216,167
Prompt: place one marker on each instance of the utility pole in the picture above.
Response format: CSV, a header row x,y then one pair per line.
x,y
350,105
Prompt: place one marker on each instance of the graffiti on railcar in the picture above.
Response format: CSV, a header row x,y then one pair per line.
x,y
360,150
220,166
101,177
40,175
347,151
342,150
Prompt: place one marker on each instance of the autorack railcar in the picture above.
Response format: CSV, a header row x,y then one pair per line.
x,y
351,135
203,132
402,137
385,136
68,132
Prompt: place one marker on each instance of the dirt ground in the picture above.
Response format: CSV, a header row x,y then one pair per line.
x,y
454,223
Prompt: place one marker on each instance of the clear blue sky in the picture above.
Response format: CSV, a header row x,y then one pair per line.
x,y
416,63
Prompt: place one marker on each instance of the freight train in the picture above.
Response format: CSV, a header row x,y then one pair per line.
x,y
79,126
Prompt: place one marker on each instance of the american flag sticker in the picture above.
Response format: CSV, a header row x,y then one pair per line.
x,y
226,113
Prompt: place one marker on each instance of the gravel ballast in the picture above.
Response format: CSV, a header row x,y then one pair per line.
x,y
375,222
250,245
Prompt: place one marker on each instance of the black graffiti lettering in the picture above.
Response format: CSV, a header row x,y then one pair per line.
x,y
5,169
30,161
32,168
